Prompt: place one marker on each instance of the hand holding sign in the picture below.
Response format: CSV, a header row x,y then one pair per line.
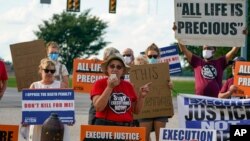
x,y
144,90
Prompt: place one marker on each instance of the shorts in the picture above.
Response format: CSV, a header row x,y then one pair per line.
x,y
161,119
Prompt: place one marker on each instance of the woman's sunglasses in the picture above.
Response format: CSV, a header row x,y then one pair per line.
x,y
115,66
51,71
154,56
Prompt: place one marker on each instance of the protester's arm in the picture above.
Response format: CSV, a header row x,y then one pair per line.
x,y
142,94
185,51
100,101
231,53
228,93
66,81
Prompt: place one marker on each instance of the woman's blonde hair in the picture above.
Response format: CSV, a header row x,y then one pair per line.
x,y
46,63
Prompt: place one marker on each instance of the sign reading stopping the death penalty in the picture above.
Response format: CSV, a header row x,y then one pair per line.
x,y
213,22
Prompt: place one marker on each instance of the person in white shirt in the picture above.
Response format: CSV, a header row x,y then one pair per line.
x,y
61,73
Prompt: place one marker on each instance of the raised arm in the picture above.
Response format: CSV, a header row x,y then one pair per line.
x,y
185,51
232,53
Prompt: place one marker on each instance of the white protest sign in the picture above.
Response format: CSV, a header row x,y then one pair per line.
x,y
210,22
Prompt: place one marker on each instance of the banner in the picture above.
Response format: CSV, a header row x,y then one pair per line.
x,y
112,133
38,104
170,54
178,134
200,112
209,22
158,102
242,78
85,73
9,132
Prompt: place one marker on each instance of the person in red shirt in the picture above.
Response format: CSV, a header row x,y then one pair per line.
x,y
3,79
115,99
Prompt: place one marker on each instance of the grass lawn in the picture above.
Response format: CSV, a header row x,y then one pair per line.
x,y
179,86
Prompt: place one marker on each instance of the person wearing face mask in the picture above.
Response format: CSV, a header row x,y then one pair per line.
x,y
128,56
208,71
228,89
61,73
152,55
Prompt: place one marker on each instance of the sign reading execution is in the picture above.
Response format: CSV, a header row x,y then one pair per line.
x,y
208,22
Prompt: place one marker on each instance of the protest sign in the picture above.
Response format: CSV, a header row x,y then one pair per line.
x,y
158,102
85,73
112,133
26,58
200,112
182,134
9,132
170,54
242,78
38,104
210,22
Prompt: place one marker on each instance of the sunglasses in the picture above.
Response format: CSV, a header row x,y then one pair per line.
x,y
154,56
126,55
51,71
115,66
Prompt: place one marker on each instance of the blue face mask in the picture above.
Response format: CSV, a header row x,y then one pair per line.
x,y
53,56
152,60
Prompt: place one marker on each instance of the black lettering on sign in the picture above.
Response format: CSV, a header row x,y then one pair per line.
x,y
6,135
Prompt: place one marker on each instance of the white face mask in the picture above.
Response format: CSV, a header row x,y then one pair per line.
x,y
207,54
127,60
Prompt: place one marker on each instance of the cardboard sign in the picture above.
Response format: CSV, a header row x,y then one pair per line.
x,y
158,102
26,58
182,134
9,132
38,104
209,22
242,78
112,133
85,73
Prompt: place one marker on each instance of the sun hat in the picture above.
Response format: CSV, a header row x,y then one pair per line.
x,y
115,56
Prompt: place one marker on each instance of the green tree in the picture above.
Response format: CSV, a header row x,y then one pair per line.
x,y
77,35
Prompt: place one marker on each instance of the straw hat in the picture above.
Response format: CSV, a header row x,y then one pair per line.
x,y
116,56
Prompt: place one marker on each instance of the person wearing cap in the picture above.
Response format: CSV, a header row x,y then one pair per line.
x,y
115,99
128,56
3,79
106,53
228,89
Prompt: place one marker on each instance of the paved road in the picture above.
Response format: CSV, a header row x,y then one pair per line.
x,y
10,111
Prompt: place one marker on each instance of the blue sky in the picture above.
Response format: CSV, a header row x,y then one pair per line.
x,y
136,25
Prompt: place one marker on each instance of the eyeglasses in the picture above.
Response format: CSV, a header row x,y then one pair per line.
x,y
115,66
154,56
51,71
128,55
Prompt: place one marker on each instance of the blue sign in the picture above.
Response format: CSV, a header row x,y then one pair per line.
x,y
170,54
38,104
